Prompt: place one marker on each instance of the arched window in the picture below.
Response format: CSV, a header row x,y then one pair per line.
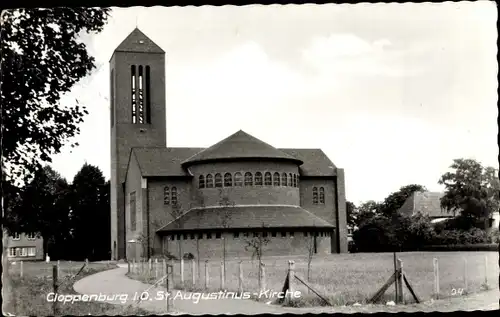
x,y
238,179
321,195
210,181
298,176
283,179
248,179
315,195
228,180
258,179
166,195
201,181
174,196
290,180
218,180
276,179
294,180
268,179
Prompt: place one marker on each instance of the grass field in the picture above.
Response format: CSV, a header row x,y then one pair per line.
x,y
26,296
348,278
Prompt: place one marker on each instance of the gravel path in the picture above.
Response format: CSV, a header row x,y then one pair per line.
x,y
115,283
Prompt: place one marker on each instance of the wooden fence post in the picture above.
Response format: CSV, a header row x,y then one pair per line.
x,y
465,275
262,277
436,277
128,267
156,269
206,274
167,284
150,267
240,277
396,296
291,280
21,272
193,271
222,281
164,266
55,287
399,281
182,272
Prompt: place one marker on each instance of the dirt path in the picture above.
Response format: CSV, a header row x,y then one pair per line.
x,y
114,282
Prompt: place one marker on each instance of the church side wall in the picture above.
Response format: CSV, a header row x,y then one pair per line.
x,y
235,247
327,211
161,214
133,184
252,195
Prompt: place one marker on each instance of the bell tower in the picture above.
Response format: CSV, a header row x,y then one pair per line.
x,y
137,97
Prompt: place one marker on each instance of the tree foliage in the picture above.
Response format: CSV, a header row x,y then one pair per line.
x,y
41,60
471,189
43,207
394,201
351,213
90,208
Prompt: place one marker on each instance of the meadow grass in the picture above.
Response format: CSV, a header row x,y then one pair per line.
x,y
26,296
345,279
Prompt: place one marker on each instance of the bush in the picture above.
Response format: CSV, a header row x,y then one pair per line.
x,y
494,236
456,237
462,247
188,256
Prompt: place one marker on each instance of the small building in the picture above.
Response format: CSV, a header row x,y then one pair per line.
x,y
21,246
429,204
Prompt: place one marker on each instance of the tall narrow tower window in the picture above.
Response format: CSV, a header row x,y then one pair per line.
x,y
134,101
141,95
112,97
148,95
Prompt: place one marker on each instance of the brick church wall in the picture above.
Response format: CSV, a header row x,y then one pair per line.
x,y
282,195
235,247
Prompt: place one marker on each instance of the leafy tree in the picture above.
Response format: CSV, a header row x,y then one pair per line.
x,y
394,201
471,189
366,211
43,207
90,209
374,235
42,59
352,213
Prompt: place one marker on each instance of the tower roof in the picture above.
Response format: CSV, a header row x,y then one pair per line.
x,y
138,42
240,145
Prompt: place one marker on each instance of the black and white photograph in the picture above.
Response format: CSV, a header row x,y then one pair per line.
x,y
282,159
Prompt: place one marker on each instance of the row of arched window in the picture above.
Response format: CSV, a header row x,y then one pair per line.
x,y
239,180
318,195
169,195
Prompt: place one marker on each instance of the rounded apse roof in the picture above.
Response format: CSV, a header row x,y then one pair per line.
x,y
240,145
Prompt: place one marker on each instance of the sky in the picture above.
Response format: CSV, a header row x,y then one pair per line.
x,y
392,93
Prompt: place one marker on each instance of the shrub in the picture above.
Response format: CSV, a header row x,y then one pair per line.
x,y
462,247
188,256
494,236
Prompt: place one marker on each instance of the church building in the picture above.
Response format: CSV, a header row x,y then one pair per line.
x,y
201,201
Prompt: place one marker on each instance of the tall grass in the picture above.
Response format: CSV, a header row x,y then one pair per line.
x,y
348,278
27,295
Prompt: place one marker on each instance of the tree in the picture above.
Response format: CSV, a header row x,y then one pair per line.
x,y
42,59
352,213
226,205
90,208
366,211
394,201
43,207
471,190
256,245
